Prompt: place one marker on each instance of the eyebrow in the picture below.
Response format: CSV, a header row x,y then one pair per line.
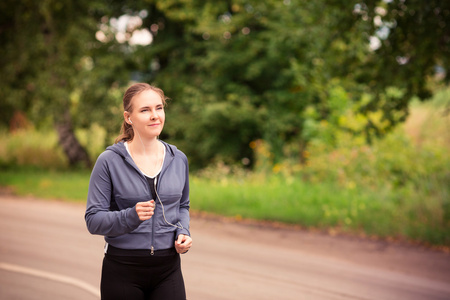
x,y
157,105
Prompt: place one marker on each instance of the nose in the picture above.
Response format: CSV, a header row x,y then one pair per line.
x,y
154,115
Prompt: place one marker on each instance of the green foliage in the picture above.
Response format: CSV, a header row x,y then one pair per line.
x,y
55,69
40,149
414,40
93,139
31,148
345,117
244,70
273,63
406,173
396,188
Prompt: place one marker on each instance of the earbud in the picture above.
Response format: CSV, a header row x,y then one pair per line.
x,y
129,119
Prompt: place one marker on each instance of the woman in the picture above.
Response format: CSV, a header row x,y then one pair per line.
x,y
139,200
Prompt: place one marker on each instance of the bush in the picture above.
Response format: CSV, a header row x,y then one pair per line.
x,y
398,186
31,148
40,149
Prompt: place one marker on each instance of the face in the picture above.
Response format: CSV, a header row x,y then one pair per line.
x,y
148,114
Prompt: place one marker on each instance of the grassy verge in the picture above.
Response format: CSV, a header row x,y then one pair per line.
x,y
325,206
64,185
394,215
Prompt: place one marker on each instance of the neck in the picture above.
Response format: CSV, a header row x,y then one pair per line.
x,y
145,147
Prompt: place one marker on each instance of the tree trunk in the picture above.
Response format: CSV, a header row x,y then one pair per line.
x,y
69,142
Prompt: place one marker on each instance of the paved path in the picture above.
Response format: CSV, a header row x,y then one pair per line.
x,y
47,253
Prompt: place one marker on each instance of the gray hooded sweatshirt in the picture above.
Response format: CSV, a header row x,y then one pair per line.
x,y
117,184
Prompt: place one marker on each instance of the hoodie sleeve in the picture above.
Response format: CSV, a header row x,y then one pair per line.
x,y
185,203
99,219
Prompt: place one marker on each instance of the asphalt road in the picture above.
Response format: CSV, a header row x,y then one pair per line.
x,y
47,253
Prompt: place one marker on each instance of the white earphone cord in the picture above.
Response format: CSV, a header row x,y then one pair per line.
x,y
164,215
157,196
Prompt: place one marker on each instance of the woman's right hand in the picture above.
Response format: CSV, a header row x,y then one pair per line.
x,y
145,209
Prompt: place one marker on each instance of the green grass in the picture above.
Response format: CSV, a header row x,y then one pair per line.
x,y
393,214
325,206
64,185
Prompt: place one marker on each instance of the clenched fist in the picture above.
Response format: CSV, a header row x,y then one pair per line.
x,y
183,243
145,209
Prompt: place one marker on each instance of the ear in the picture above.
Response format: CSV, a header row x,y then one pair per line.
x,y
126,117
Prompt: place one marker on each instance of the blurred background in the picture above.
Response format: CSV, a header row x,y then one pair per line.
x,y
331,115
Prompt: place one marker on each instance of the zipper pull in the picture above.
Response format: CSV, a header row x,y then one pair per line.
x,y
151,251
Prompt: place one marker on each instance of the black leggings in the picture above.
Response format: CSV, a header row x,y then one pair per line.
x,y
142,277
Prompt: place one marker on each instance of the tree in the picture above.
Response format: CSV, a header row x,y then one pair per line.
x,y
243,70
414,41
236,70
56,70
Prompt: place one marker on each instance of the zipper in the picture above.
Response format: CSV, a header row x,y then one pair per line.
x,y
152,248
153,231
153,222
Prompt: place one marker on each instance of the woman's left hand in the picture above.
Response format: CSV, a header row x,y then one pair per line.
x,y
183,243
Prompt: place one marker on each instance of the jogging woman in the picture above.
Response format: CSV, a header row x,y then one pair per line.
x,y
138,200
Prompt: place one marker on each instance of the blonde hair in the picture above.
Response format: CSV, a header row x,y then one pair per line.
x,y
126,131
